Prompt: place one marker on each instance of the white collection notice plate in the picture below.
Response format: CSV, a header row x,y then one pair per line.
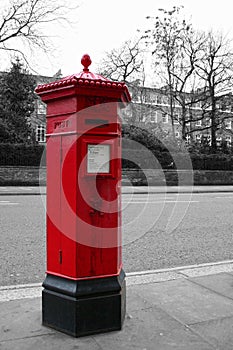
x,y
98,159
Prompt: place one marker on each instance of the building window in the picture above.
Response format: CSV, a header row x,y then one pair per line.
x,y
219,141
165,100
228,140
40,133
223,107
228,124
159,100
165,118
176,119
188,122
198,123
198,138
147,97
135,96
188,139
207,139
153,117
228,107
153,97
41,108
196,105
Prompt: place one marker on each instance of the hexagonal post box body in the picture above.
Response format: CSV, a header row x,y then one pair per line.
x,y
84,289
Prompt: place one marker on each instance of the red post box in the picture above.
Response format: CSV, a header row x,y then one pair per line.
x,y
84,288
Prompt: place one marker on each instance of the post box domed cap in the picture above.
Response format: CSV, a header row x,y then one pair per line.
x,y
85,73
84,78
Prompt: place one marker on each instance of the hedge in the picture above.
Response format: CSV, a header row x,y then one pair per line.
x,y
212,161
146,160
20,154
30,155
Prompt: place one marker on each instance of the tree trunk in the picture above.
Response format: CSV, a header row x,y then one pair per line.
x,y
171,111
213,134
183,121
213,121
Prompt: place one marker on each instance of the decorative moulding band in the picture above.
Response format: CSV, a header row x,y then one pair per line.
x,y
85,82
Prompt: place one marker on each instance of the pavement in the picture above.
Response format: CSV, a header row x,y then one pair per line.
x,y
37,190
184,308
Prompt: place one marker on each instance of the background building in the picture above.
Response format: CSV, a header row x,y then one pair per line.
x,y
188,117
38,120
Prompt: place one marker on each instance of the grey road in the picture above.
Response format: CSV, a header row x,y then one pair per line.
x,y
158,232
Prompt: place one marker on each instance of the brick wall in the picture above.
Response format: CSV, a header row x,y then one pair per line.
x,y
23,176
161,177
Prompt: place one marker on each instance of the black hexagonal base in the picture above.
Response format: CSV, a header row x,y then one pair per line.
x,y
84,307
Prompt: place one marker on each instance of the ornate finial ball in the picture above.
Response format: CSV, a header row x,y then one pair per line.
x,y
86,61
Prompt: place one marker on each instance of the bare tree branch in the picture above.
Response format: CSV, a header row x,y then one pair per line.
x,y
124,63
24,20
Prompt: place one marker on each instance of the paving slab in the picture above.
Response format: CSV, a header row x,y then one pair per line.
x,y
135,302
152,329
186,301
217,332
53,341
177,339
22,318
221,283
22,329
208,270
150,278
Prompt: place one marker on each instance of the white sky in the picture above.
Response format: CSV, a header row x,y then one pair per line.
x,y
101,25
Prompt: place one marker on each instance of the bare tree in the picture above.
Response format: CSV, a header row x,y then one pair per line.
x,y
176,47
22,21
124,63
215,70
195,69
165,38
